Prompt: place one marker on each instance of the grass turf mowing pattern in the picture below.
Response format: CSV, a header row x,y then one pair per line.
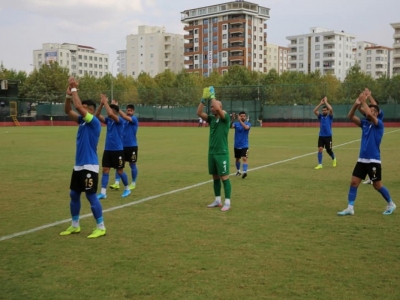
x,y
281,239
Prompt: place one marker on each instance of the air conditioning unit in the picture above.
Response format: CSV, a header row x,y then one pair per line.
x,y
4,85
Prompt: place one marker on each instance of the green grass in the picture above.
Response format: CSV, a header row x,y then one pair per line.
x,y
281,239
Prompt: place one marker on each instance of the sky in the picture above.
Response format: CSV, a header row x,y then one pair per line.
x,y
104,24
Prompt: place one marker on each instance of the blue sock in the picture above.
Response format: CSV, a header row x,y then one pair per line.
x,y
245,167
124,178
95,205
238,165
385,194
352,195
104,180
75,204
117,177
134,172
320,158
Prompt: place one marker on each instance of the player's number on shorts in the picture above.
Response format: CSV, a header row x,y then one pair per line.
x,y
224,166
133,156
89,183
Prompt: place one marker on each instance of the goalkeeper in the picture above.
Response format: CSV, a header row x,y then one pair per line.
x,y
218,153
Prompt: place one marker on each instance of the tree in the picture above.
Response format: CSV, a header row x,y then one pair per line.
x,y
48,83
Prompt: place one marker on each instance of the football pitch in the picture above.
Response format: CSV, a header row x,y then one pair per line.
x,y
281,239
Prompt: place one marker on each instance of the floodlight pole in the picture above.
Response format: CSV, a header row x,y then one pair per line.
x,y
112,79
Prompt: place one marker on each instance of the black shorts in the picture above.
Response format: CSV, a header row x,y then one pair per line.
x,y
113,159
325,142
131,154
84,181
239,153
374,171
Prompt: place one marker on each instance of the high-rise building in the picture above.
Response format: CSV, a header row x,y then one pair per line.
x,y
153,51
80,60
373,59
396,48
277,58
223,35
121,57
329,51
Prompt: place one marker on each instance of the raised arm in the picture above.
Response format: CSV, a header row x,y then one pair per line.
x,y
73,86
125,116
316,112
109,110
68,107
246,127
351,115
98,111
367,111
328,106
200,111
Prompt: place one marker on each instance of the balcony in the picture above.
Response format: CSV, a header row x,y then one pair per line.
x,y
379,67
328,57
237,20
190,27
239,29
329,49
236,39
328,66
396,34
189,62
235,57
233,63
188,36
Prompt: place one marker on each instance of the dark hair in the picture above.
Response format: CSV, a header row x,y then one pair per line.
x,y
323,107
131,106
114,107
242,113
89,103
374,106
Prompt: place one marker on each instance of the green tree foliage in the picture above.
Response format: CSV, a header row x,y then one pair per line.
x,y
48,83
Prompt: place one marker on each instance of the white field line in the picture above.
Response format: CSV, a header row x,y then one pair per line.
x,y
11,236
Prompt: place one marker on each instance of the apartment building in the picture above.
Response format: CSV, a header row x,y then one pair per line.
x,y
329,51
121,58
153,51
396,48
373,59
79,59
223,35
277,58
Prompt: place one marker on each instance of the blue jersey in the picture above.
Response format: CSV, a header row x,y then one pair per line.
x,y
370,141
130,130
325,125
114,134
241,135
86,144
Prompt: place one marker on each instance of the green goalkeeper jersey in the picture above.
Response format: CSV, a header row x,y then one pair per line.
x,y
219,130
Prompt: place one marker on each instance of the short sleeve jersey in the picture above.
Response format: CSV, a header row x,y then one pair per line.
x,y
219,130
114,134
325,125
86,142
130,130
241,135
370,141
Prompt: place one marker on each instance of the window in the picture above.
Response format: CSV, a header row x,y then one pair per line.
x,y
205,30
317,39
368,52
224,36
224,63
368,59
205,21
301,49
301,57
215,20
196,31
317,47
85,57
260,56
224,45
368,66
205,40
90,58
224,54
301,41
316,55
205,48
224,27
317,64
301,65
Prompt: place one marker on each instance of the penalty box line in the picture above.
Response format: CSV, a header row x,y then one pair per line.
x,y
11,236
